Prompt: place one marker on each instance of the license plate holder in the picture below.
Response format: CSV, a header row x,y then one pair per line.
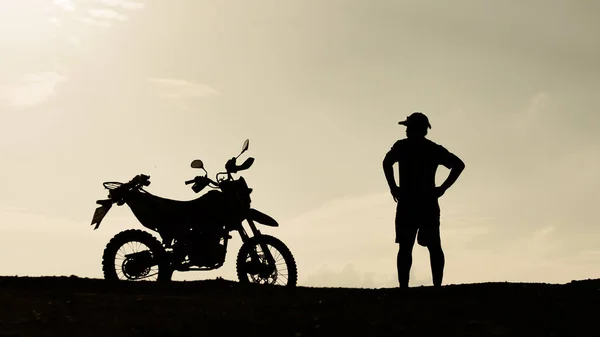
x,y
99,215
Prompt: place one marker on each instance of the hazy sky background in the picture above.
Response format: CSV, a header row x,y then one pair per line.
x,y
102,90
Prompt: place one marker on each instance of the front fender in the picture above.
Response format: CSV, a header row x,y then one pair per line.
x,y
262,218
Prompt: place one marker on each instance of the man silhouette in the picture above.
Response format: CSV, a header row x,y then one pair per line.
x,y
417,209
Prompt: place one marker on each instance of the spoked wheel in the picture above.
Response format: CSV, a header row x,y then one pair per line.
x,y
135,255
266,260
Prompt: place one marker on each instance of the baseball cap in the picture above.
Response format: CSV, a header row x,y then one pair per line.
x,y
416,119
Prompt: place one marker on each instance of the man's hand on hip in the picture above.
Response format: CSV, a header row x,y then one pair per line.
x,y
395,191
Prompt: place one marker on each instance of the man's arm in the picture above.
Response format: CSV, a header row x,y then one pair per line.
x,y
388,170
456,166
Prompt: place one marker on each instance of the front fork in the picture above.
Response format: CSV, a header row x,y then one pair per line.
x,y
255,234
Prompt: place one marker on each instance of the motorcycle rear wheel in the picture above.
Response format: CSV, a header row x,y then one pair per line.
x,y
249,270
148,263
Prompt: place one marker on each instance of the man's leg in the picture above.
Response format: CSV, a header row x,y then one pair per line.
x,y
436,255
406,239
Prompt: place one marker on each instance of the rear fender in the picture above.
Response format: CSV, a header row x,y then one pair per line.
x,y
101,211
262,218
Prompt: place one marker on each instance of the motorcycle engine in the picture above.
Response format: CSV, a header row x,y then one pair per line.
x,y
207,250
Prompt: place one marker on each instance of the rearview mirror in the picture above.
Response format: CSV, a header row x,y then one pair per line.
x,y
198,164
245,146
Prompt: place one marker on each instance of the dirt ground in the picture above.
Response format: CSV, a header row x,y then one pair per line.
x,y
72,306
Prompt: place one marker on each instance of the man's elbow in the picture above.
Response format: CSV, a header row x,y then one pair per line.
x,y
460,165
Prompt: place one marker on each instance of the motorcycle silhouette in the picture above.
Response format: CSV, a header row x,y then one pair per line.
x,y
194,233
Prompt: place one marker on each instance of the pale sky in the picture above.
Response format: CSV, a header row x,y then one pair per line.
x,y
102,90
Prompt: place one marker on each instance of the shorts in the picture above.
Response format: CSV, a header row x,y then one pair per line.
x,y
423,226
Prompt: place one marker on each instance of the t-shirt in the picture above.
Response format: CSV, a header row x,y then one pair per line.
x,y
418,160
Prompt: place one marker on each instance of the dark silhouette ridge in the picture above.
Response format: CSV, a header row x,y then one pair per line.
x,y
194,233
71,306
418,210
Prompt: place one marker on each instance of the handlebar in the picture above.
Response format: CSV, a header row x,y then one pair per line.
x,y
230,167
196,180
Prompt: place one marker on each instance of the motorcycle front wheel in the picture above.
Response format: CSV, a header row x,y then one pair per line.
x,y
253,265
135,255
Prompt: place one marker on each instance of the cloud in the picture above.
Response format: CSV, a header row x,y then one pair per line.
x,y
32,89
111,2
107,14
99,17
132,5
66,5
123,4
96,23
178,88
178,91
97,13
